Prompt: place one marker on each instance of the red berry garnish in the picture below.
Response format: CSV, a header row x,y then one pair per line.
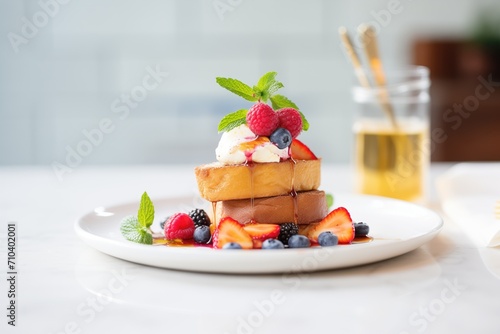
x,y
299,151
262,119
179,226
338,222
289,118
229,230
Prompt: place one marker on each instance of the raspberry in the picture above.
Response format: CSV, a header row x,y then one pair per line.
x,y
290,119
179,226
262,119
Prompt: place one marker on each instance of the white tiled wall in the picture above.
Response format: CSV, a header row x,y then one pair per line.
x,y
65,79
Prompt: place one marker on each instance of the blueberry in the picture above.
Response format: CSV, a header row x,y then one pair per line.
x,y
298,241
361,229
232,245
162,222
281,137
272,244
202,234
327,238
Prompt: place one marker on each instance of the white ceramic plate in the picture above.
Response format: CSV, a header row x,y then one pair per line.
x,y
396,226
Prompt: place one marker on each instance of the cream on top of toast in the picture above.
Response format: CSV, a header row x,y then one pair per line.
x,y
241,145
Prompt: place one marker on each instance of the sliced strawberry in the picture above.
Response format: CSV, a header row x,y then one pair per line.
x,y
262,231
299,151
338,222
229,230
257,244
305,229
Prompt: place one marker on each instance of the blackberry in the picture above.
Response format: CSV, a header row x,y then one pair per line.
x,y
286,231
200,217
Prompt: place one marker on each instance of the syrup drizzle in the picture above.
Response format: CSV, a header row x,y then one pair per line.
x,y
249,148
293,193
362,240
214,212
250,165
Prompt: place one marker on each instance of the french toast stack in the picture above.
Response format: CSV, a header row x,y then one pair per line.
x,y
264,185
274,192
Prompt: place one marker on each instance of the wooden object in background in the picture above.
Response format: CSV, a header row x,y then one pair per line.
x,y
468,116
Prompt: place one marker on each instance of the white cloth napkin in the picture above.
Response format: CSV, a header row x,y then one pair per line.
x,y
468,193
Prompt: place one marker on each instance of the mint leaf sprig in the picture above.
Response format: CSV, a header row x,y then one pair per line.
x,y
232,120
265,90
329,201
237,87
137,229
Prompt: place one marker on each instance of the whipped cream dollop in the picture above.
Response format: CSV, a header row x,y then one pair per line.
x,y
241,145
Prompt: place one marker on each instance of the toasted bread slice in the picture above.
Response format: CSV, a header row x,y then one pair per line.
x,y
305,208
218,182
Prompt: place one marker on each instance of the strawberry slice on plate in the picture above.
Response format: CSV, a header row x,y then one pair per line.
x,y
338,222
257,244
262,231
299,151
229,230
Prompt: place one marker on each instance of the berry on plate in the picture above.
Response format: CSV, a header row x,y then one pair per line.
x,y
262,231
272,244
281,137
361,229
338,222
299,241
179,226
262,119
229,230
300,151
200,217
257,244
286,231
232,245
163,221
202,234
327,239
290,119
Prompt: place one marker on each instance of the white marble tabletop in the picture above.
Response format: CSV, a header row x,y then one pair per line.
x,y
64,286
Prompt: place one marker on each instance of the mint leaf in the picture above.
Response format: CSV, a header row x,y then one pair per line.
x,y
280,101
146,213
267,86
232,120
237,87
329,200
305,123
266,80
133,231
274,87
